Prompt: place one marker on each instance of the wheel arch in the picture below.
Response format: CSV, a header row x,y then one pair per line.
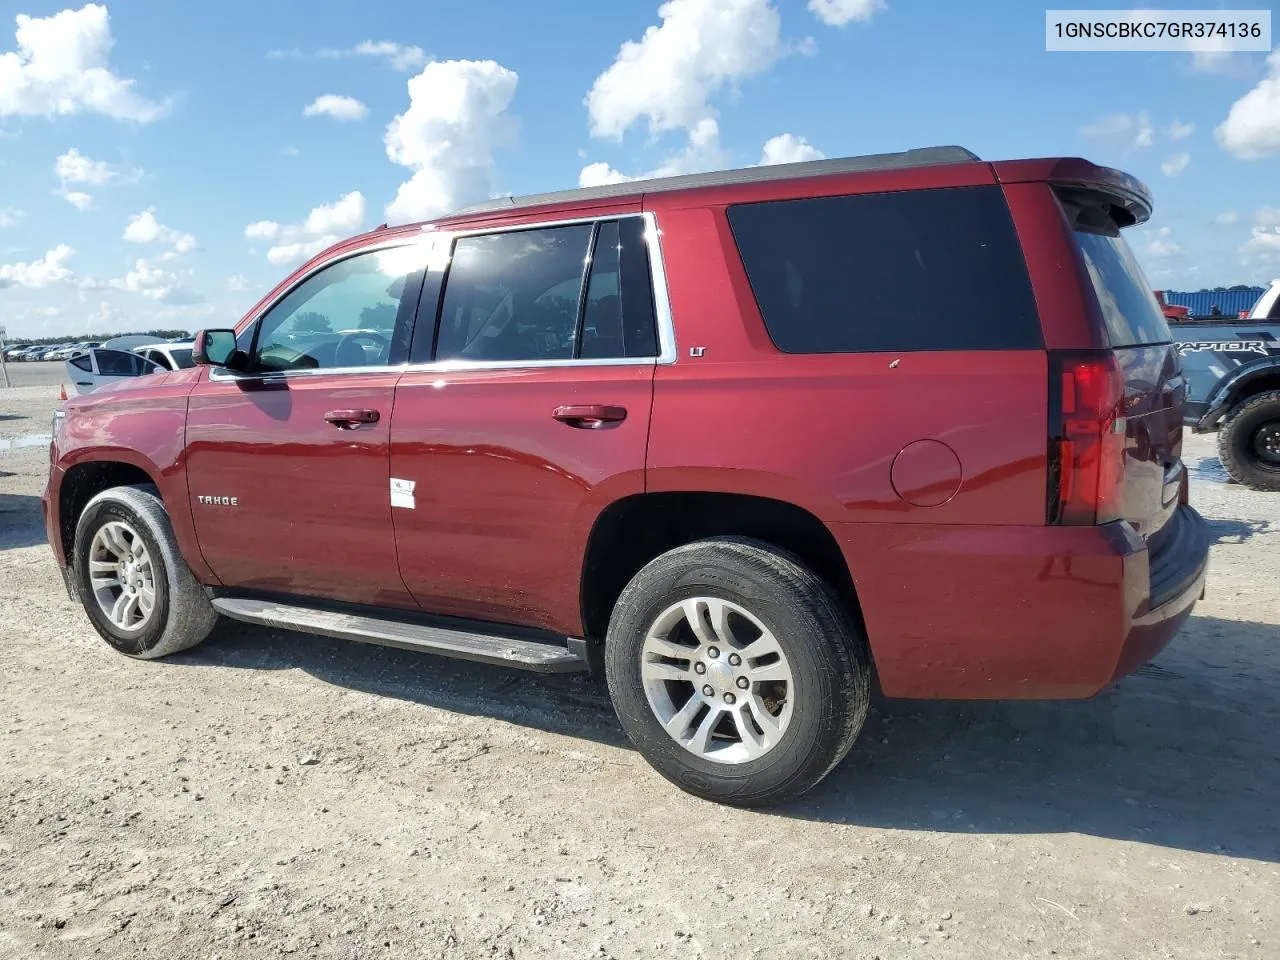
x,y
1242,383
634,530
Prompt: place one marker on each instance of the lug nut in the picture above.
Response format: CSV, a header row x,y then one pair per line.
x,y
743,683
707,691
734,660
729,698
713,653
699,667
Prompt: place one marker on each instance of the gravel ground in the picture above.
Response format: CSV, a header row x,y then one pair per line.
x,y
273,793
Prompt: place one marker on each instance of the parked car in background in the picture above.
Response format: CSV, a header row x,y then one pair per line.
x,y
174,355
12,353
688,432
1232,368
50,351
92,368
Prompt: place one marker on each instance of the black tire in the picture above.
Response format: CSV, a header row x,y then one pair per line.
x,y
826,653
181,616
1246,428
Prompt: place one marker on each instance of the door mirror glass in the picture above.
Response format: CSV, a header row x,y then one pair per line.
x,y
215,348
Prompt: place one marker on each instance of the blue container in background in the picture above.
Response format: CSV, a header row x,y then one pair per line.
x,y
1202,302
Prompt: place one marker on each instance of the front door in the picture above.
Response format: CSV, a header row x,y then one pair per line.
x,y
531,418
287,462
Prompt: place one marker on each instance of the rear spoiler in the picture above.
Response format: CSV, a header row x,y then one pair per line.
x,y
1130,197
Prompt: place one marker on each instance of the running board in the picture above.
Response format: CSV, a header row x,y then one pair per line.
x,y
444,641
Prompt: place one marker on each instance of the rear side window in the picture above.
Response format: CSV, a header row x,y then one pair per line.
x,y
1129,306
82,362
121,363
579,291
889,272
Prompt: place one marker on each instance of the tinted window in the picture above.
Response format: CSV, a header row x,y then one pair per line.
x,y
514,296
602,314
156,357
618,317
82,362
913,270
1129,308
353,313
182,359
119,363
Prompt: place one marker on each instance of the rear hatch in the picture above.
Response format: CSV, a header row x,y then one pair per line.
x,y
1147,372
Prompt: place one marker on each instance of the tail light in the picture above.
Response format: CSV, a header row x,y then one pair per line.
x,y
1086,438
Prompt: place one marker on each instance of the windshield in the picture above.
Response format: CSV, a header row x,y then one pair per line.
x,y
1129,307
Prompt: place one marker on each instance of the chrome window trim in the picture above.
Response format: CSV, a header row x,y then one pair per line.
x,y
428,235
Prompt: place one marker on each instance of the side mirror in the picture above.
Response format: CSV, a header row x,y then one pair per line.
x,y
217,348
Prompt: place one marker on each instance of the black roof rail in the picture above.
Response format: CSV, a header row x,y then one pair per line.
x,y
919,157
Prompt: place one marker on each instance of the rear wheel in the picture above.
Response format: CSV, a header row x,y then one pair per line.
x,y
137,590
1249,442
736,672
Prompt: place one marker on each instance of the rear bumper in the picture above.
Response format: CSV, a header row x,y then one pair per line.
x,y
956,612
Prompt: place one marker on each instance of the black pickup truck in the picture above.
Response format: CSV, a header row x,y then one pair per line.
x,y
1232,370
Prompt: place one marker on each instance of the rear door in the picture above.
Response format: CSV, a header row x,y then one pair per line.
x,y
287,464
529,418
1155,388
92,368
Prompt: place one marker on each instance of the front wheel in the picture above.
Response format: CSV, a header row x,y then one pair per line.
x,y
138,592
1249,442
736,672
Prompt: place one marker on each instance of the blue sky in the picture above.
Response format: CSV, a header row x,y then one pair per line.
x,y
160,165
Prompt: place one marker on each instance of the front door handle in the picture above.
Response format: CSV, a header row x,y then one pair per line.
x,y
590,416
350,419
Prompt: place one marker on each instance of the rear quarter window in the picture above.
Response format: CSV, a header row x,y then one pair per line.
x,y
908,271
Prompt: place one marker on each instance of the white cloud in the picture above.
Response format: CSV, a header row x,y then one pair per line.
x,y
74,167
457,117
1252,128
323,227
1263,246
1180,131
9,216
702,152
61,67
145,228
337,107
41,313
837,13
1226,218
669,75
38,274
1175,164
156,283
397,55
1163,244
1124,130
77,198
787,148
237,282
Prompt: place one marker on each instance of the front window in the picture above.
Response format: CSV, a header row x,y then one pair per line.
x,y
346,315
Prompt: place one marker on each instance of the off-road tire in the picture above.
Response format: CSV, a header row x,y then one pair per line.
x,y
827,655
1236,441
182,615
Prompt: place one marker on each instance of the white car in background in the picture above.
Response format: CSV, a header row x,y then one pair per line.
x,y
93,368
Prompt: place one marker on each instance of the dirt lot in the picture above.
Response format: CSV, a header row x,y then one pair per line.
x,y
271,793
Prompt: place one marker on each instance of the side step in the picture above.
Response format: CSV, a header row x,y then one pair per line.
x,y
463,644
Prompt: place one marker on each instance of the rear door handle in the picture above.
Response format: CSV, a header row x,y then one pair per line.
x,y
590,416
350,419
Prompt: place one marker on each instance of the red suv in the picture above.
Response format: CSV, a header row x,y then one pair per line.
x,y
748,442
